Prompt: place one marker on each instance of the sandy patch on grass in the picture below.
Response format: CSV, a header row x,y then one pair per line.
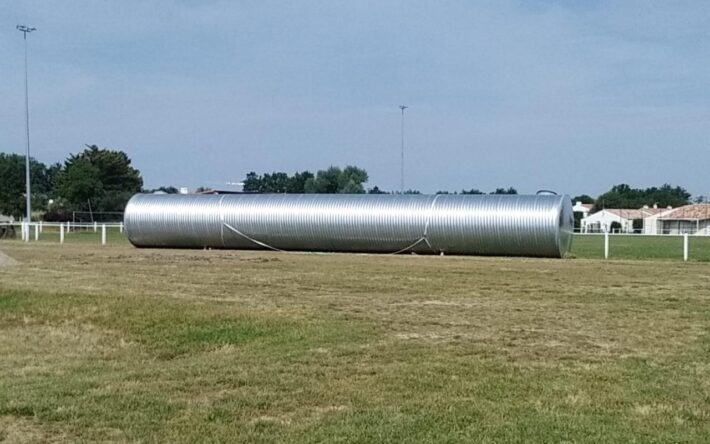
x,y
31,349
308,415
6,260
20,430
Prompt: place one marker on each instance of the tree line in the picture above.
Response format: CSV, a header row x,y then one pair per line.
x,y
349,180
96,180
352,180
101,180
624,196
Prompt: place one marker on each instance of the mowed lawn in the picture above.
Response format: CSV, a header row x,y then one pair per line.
x,y
635,246
590,246
121,344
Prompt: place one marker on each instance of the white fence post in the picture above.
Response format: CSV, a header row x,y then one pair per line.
x,y
40,227
36,232
61,233
606,245
685,247
95,226
120,227
103,234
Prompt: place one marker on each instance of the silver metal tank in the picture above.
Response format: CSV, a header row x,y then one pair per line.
x,y
504,225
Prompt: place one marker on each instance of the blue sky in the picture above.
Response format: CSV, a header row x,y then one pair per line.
x,y
573,96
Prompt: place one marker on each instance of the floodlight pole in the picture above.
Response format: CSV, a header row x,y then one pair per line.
x,y
402,107
25,30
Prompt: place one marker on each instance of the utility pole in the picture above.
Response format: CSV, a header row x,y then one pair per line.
x,y
25,30
402,107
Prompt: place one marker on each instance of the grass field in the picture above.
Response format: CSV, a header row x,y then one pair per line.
x,y
583,246
641,247
121,344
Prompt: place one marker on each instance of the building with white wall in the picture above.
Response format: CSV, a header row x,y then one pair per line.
x,y
691,219
583,209
603,221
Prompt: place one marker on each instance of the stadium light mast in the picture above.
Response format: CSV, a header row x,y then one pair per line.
x,y
25,30
402,107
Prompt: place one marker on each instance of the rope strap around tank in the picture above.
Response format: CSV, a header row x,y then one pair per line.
x,y
262,244
423,238
425,235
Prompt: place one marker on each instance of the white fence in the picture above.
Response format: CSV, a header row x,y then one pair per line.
x,y
666,246
703,231
33,230
681,246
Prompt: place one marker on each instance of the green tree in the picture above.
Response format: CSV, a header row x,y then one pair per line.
x,y
12,184
324,182
472,191
376,190
80,184
297,183
165,189
99,179
623,196
584,198
252,182
510,190
350,180
52,178
276,182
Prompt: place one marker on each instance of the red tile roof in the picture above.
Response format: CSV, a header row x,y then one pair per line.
x,y
696,211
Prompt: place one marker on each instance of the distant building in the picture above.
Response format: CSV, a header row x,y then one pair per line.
x,y
691,219
603,221
582,208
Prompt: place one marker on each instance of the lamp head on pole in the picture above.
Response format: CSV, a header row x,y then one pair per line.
x,y
25,29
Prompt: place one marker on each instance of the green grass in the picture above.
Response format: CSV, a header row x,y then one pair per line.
x,y
641,247
122,344
583,246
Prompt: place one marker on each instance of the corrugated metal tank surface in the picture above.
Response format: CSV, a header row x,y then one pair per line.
x,y
505,225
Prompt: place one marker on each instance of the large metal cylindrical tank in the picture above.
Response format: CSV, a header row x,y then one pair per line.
x,y
506,225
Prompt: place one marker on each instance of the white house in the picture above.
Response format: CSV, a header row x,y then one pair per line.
x,y
651,223
691,219
601,221
579,207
